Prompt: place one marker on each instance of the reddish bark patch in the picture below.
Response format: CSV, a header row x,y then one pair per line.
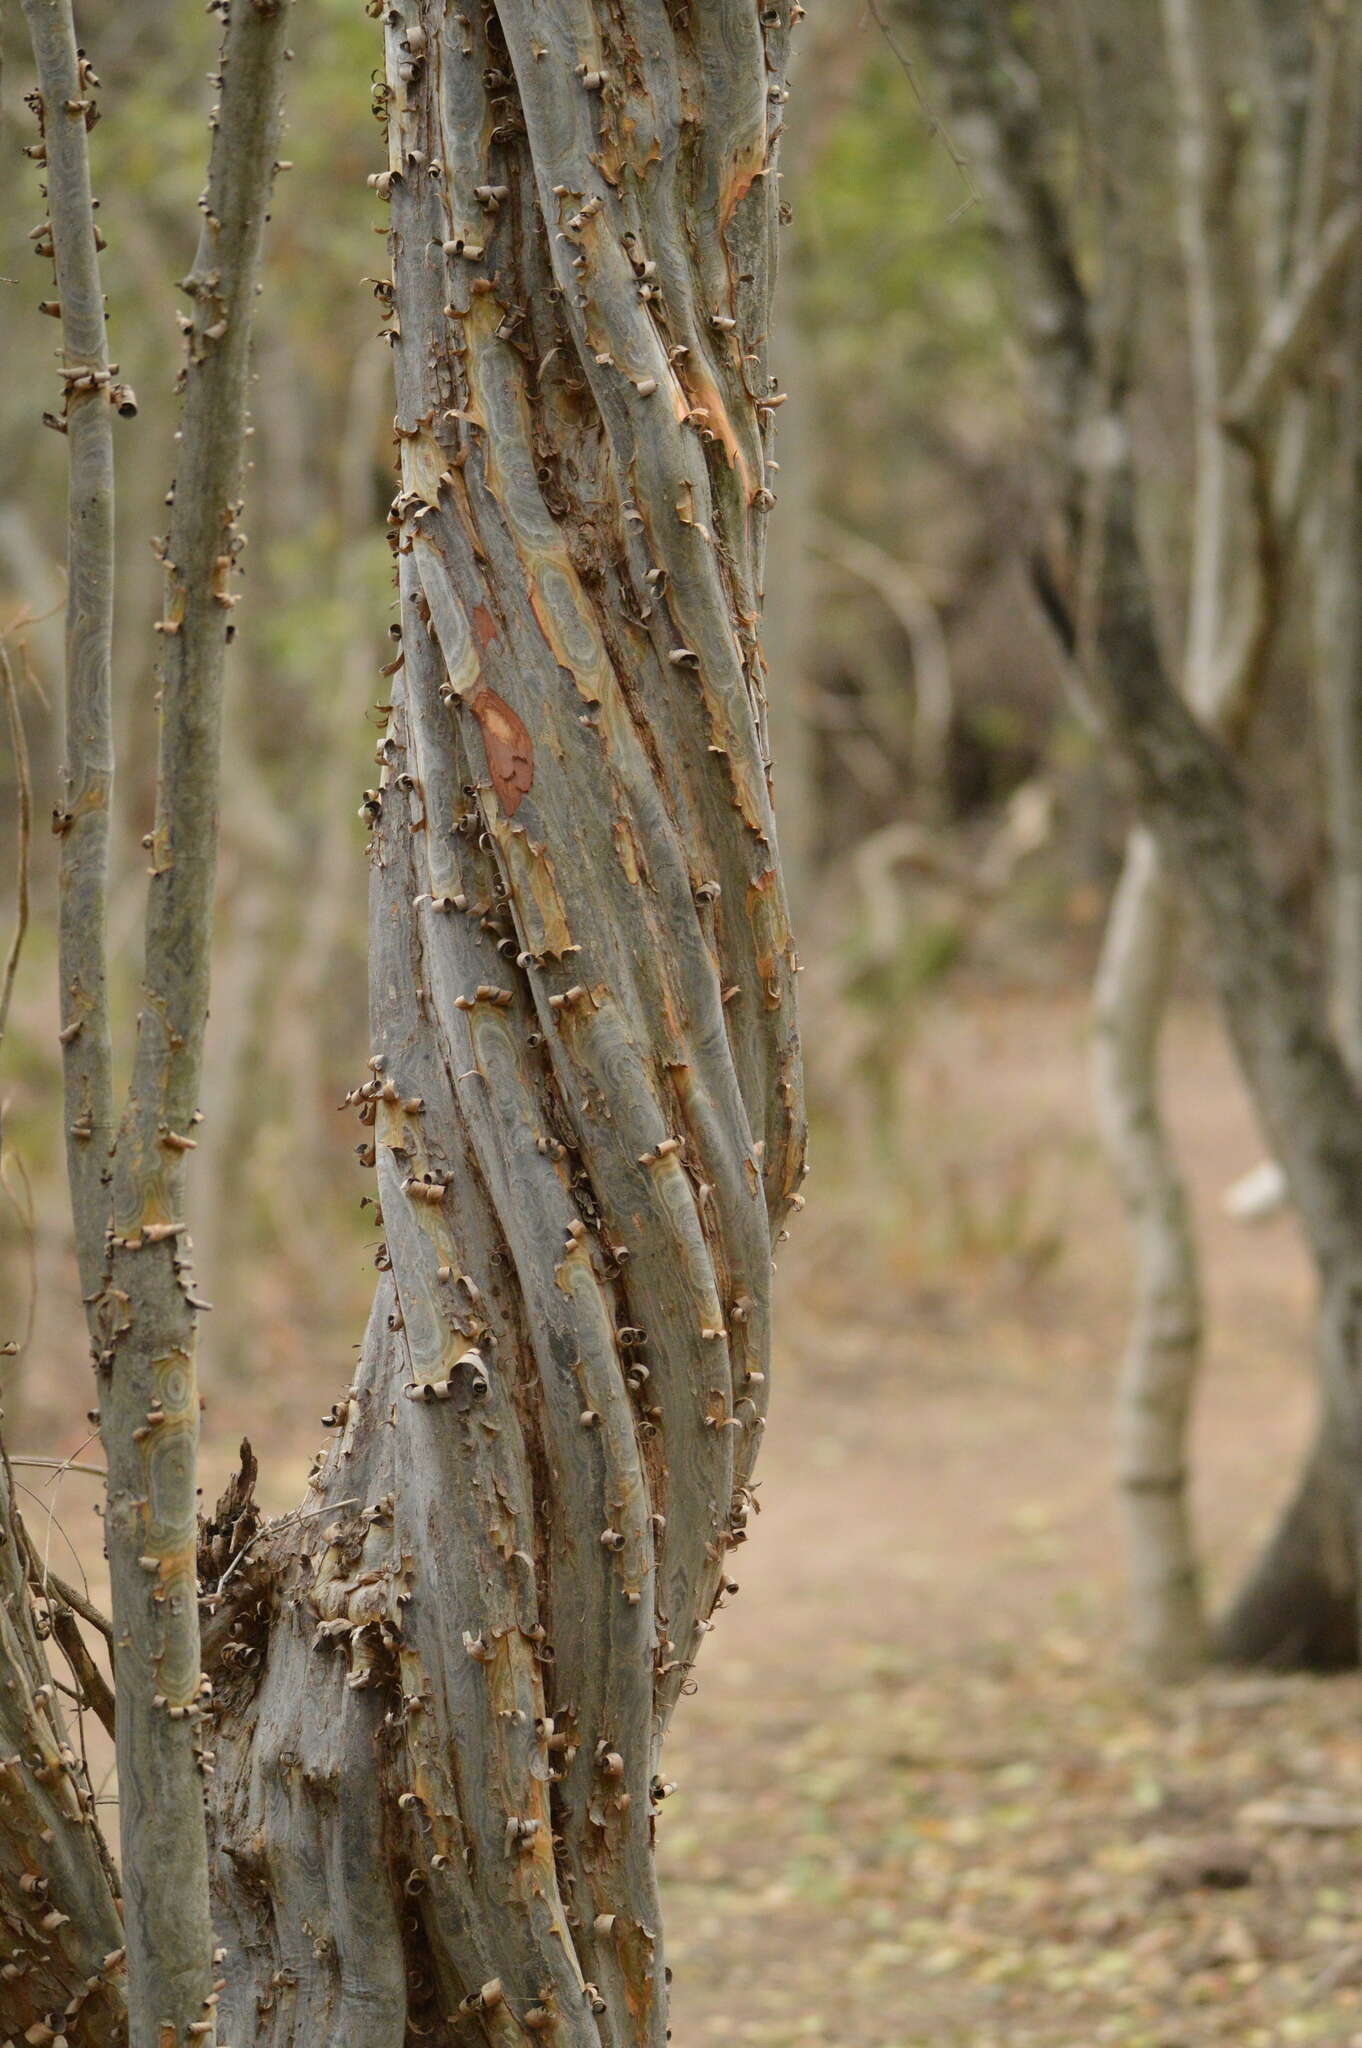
x,y
510,755
484,626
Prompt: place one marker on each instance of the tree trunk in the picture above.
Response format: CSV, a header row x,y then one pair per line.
x,y
442,1687
1139,953
1297,1609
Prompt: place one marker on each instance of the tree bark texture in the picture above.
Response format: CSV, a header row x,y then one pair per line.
x,y
442,1688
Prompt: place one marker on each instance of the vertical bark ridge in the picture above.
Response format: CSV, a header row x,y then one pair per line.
x,y
584,1093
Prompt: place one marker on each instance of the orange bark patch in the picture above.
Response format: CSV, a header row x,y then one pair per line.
x,y
701,391
747,165
772,934
484,625
510,755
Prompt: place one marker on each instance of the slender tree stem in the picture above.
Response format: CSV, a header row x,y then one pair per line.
x,y
24,783
150,1404
1200,207
1334,558
65,86
1139,955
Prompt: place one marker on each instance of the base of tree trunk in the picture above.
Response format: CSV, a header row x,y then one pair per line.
x,y
1298,1608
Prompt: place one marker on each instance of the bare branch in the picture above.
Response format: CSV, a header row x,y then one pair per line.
x,y
1201,229
1293,327
63,1606
935,126
65,105
75,1600
24,781
916,615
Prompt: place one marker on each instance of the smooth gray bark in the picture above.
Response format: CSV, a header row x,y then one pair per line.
x,y
441,1691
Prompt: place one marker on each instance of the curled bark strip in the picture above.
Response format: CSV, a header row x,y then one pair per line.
x,y
439,1717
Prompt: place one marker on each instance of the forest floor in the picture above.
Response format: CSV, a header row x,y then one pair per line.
x,y
922,1801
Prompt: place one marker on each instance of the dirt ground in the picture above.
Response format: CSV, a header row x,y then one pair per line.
x,y
921,1800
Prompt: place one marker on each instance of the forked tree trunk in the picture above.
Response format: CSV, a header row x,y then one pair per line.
x,y
1299,1605
441,1690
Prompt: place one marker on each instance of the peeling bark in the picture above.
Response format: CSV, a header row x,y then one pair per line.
x,y
441,1691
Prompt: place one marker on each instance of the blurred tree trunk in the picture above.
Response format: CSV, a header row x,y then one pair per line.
x,y
442,1687
1251,333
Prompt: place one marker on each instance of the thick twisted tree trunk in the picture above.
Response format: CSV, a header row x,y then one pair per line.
x,y
442,1688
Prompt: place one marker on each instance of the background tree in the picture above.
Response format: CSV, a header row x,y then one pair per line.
x,y
1262,128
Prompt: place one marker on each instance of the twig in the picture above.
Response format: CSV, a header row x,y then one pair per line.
x,y
933,692
53,1523
19,744
935,125
1292,327
64,1604
62,1465
273,1528
76,1601
24,1210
